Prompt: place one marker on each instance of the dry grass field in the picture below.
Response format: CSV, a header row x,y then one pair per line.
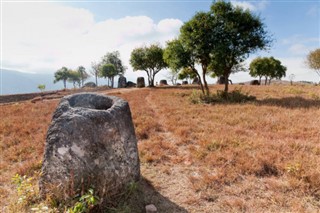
x,y
260,156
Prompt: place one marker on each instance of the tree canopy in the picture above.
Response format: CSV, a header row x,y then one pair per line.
x,y
270,68
74,77
218,40
148,59
108,71
83,75
313,60
112,58
236,33
61,75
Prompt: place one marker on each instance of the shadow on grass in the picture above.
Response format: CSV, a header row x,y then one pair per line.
x,y
183,87
290,102
163,204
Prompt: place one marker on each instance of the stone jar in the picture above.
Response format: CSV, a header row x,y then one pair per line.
x,y
90,143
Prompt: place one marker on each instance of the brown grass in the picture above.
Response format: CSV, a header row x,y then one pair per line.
x,y
262,156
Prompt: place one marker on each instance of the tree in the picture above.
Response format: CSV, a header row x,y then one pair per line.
x,y
270,68
41,87
95,70
114,59
234,33
258,68
74,78
108,71
277,70
197,40
61,75
148,59
83,74
180,59
313,60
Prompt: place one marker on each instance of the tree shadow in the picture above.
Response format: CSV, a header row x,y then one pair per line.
x,y
182,87
290,102
152,196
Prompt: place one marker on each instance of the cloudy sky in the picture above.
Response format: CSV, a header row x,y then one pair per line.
x,y
42,36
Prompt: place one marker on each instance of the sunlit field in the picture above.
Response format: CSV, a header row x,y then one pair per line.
x,y
259,156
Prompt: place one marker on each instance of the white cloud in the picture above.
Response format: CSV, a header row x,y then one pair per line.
x,y
244,4
298,49
43,37
253,6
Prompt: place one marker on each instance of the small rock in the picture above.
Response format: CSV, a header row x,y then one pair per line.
x,y
151,208
163,82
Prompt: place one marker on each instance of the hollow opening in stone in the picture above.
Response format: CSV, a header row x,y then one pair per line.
x,y
91,101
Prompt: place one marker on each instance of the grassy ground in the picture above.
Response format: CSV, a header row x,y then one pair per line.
x,y
261,156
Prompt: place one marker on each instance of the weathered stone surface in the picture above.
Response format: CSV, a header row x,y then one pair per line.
x,y
196,80
90,143
151,208
221,80
122,82
140,82
254,82
131,84
163,82
89,84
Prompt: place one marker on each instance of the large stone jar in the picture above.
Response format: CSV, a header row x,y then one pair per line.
x,y
90,143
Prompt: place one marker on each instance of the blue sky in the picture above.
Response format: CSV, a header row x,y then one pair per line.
x,y
41,37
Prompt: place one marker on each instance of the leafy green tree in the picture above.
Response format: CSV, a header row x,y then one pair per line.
x,y
277,70
148,59
108,71
41,87
83,74
62,75
74,78
258,68
235,34
313,60
114,59
270,68
197,40
180,59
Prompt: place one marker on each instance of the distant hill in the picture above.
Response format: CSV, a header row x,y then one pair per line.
x,y
15,82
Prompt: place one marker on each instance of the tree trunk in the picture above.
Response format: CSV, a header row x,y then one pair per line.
x,y
226,82
65,83
265,82
260,79
204,72
96,79
201,84
151,84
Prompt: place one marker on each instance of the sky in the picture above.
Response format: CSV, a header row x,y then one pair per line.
x,y
42,36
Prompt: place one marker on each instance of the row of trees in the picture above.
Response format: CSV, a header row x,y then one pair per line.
x,y
77,77
218,40
109,67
